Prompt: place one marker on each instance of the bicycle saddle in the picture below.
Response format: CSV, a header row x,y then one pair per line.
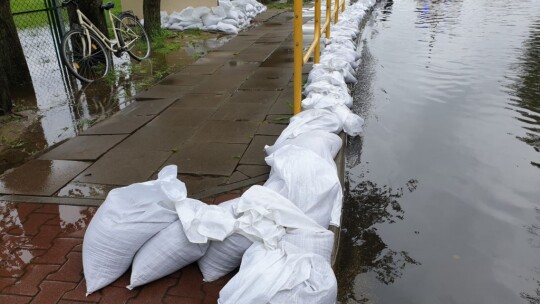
x,y
107,6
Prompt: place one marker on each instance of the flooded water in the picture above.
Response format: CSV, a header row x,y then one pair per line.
x,y
443,202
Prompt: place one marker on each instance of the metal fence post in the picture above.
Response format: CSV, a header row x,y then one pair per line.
x,y
328,17
317,33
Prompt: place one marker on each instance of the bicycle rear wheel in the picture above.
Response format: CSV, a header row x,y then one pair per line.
x,y
87,59
133,37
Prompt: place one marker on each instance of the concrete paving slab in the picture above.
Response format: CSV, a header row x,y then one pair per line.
x,y
198,183
193,100
211,60
224,82
40,177
284,103
220,54
253,170
222,131
124,167
183,79
200,69
255,153
118,124
165,91
237,176
282,57
278,119
189,117
256,97
238,44
147,107
208,158
158,138
85,190
233,66
241,112
84,147
257,53
268,79
270,129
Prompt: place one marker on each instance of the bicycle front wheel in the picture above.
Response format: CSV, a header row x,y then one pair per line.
x,y
133,37
85,56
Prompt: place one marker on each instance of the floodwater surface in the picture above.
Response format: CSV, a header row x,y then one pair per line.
x,y
443,198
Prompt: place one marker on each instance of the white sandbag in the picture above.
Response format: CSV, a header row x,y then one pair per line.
x,y
227,28
321,243
265,216
324,144
125,221
283,275
211,19
223,257
307,180
311,120
352,123
165,253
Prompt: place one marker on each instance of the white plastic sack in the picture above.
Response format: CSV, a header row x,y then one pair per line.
x,y
165,253
324,144
307,180
124,222
223,257
283,275
311,120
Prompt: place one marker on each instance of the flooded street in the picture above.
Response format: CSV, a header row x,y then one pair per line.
x,y
443,198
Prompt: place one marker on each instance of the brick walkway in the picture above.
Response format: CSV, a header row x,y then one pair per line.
x,y
41,261
212,119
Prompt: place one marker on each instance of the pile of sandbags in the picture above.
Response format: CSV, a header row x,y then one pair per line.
x,y
276,233
230,16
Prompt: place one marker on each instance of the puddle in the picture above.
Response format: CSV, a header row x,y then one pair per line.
x,y
59,107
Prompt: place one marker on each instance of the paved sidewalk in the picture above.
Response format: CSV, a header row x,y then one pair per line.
x,y
212,119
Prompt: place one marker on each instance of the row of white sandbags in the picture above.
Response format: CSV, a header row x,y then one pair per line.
x,y
303,171
230,16
136,221
153,227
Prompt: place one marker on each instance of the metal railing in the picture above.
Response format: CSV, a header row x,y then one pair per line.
x,y
300,59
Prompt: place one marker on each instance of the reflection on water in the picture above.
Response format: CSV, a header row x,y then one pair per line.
x,y
21,222
365,251
451,95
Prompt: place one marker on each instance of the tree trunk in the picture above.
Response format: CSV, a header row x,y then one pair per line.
x,y
5,97
92,10
11,52
152,17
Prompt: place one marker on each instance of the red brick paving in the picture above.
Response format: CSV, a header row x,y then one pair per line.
x,y
41,261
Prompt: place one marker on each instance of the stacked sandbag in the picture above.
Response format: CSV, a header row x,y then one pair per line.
x,y
230,17
128,218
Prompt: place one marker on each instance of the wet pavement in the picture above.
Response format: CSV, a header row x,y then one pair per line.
x,y
41,261
211,118
444,185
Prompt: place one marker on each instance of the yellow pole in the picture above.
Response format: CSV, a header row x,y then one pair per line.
x,y
343,6
336,16
298,60
317,34
328,17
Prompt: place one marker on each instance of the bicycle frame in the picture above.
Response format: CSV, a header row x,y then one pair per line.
x,y
113,45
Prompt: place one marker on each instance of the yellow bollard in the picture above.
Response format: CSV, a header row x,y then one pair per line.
x,y
336,12
317,32
298,60
328,17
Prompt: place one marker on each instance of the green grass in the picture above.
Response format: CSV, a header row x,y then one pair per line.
x,y
40,19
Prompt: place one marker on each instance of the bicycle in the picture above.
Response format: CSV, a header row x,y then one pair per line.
x,y
86,51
